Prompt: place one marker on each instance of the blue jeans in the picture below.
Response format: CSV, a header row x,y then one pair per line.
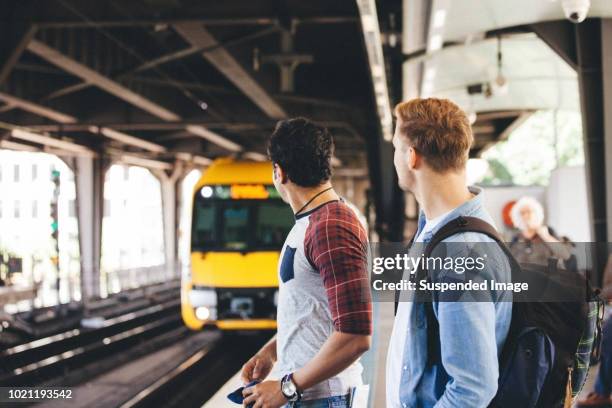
x,y
343,401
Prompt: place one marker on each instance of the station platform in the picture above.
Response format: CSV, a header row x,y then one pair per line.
x,y
373,362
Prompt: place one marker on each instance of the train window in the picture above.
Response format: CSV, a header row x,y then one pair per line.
x,y
204,229
274,221
235,226
239,225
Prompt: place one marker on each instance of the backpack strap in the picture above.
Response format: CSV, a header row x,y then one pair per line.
x,y
456,226
397,291
460,225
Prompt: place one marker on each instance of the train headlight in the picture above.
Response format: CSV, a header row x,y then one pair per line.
x,y
202,313
206,191
203,297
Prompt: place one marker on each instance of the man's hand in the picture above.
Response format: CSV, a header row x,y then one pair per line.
x,y
258,367
264,395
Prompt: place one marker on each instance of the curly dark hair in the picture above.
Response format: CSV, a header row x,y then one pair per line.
x,y
303,150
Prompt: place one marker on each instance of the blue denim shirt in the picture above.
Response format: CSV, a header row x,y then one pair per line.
x,y
471,333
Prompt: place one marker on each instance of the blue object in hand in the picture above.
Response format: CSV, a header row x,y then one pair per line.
x,y
237,397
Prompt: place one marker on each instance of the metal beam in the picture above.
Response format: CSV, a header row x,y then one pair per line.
x,y
196,35
560,36
151,64
16,31
589,46
166,126
87,74
246,21
37,109
68,64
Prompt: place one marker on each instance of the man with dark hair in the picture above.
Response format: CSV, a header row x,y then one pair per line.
x,y
324,307
455,364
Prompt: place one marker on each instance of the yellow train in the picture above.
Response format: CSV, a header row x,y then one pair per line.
x,y
238,228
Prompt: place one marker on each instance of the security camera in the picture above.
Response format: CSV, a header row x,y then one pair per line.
x,y
576,10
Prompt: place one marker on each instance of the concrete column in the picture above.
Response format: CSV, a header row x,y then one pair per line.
x,y
170,200
89,182
606,67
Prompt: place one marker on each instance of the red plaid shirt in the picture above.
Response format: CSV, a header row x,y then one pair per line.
x,y
336,245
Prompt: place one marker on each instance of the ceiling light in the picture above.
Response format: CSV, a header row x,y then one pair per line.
x,y
500,85
372,38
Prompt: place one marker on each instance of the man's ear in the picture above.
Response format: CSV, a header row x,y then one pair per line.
x,y
414,159
280,173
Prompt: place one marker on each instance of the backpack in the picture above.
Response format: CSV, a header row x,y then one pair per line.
x,y
550,344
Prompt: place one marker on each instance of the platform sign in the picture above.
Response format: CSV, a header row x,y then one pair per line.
x,y
240,192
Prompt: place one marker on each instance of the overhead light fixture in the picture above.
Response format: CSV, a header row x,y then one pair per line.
x,y
50,141
147,163
127,139
372,38
213,138
500,84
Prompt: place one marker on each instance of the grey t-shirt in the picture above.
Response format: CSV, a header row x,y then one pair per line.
x,y
323,261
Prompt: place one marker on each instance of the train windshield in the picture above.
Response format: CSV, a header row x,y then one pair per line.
x,y
240,225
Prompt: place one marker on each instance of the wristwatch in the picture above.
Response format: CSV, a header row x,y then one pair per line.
x,y
289,389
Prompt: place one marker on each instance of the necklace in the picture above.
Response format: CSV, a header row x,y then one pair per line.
x,y
312,199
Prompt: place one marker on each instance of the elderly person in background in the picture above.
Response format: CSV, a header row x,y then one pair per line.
x,y
535,242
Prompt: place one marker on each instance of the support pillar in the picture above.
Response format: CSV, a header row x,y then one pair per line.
x,y
587,47
170,202
89,183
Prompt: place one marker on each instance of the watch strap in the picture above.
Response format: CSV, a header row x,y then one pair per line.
x,y
297,395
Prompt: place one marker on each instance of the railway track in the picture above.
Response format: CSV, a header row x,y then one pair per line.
x,y
42,360
198,378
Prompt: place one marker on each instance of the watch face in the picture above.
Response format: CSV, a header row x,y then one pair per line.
x,y
288,388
